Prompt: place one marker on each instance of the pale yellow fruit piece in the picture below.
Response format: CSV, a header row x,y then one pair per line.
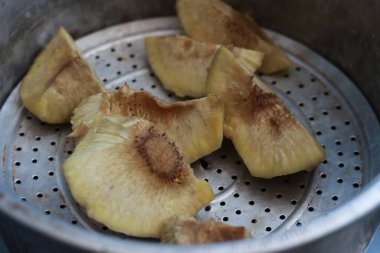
x,y
216,22
182,64
58,81
196,125
130,176
187,230
269,139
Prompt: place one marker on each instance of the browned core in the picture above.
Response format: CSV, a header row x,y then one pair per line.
x,y
161,156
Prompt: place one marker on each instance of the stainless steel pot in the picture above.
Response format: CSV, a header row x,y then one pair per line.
x,y
334,209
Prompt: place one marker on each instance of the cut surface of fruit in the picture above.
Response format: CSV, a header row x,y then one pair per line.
x,y
58,81
269,139
216,22
182,64
187,230
196,126
130,176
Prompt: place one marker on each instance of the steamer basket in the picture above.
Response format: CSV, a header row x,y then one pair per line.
x,y
332,209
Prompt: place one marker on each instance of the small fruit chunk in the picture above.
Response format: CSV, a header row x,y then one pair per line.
x,y
216,22
196,126
181,63
270,140
130,176
187,230
58,81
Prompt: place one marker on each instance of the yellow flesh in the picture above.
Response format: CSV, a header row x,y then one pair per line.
x,y
125,184
196,126
214,21
270,140
182,64
58,81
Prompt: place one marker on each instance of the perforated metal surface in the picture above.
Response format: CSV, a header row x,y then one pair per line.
x,y
34,151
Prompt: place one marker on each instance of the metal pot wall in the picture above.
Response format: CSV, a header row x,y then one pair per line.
x,y
345,32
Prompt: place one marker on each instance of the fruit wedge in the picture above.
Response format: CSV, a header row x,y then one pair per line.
x,y
270,140
196,126
216,22
58,81
130,176
187,230
181,63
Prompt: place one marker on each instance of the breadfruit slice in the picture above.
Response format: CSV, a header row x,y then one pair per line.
x,y
58,81
182,64
130,176
216,22
187,230
196,126
269,139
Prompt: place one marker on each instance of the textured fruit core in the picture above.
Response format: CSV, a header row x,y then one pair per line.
x,y
161,156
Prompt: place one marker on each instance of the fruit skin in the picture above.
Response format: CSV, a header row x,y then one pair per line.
x,y
182,64
187,230
128,175
196,126
58,80
269,139
216,22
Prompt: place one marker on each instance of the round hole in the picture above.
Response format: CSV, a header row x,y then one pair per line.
x,y
51,158
338,143
311,209
207,208
278,195
105,80
18,181
356,152
347,123
236,195
38,138
353,138
57,129
62,206
267,210
35,177
97,57
286,180
129,45
23,199
134,66
356,185
222,203
339,180
223,156
326,93
340,153
17,163
55,189
225,218
319,192
21,134
112,49
325,162
319,133
52,143
219,171
311,118
333,127
268,229
341,165
74,222
152,74
274,82
251,203
153,86
220,188
247,183
204,164
302,186
263,190
34,161
238,162
118,73
205,179
47,212
294,202
325,113
282,217
288,92
105,228
234,177
253,221
300,104
298,69
357,168
134,80
323,175
108,65
238,212
18,148
335,198
314,98
338,107
301,85
51,173
35,149
298,224
39,195
119,58
69,152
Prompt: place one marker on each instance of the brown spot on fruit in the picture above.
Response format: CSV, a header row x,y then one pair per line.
x,y
161,156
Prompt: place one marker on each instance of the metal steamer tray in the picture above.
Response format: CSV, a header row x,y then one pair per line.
x,y
325,101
